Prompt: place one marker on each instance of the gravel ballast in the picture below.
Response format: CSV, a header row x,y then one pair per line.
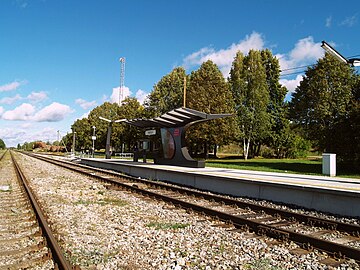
x,y
101,228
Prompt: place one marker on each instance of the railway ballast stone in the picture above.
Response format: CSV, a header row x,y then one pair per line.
x,y
102,228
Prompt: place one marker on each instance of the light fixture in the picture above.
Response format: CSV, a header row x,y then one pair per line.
x,y
355,62
326,46
105,119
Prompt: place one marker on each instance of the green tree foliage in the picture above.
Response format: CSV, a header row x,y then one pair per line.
x,y
28,146
250,90
345,135
167,93
109,111
83,130
323,100
210,93
2,144
124,133
67,141
277,109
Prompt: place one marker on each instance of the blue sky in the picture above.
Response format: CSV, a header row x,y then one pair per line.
x,y
59,58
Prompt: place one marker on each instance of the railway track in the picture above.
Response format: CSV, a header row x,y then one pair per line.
x,y
25,238
340,240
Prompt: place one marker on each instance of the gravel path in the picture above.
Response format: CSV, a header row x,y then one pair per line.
x,y
103,228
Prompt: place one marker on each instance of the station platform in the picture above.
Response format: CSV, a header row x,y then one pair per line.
x,y
339,196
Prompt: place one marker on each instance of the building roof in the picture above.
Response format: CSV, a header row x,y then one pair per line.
x,y
175,118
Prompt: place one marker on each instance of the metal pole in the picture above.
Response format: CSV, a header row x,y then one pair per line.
x,y
93,154
107,150
184,92
73,145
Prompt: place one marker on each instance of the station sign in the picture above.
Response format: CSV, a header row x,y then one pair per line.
x,y
150,132
93,138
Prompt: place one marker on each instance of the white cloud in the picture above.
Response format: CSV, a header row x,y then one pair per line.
x,y
349,21
328,21
85,104
26,125
45,134
223,58
306,52
13,136
1,111
20,113
10,100
10,86
104,98
292,83
85,115
36,97
141,96
26,112
114,98
53,113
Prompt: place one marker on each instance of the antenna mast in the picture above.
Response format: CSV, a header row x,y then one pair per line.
x,y
122,79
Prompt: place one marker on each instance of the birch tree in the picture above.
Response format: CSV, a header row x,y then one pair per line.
x,y
251,95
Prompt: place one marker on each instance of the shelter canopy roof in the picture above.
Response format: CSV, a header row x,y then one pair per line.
x,y
175,118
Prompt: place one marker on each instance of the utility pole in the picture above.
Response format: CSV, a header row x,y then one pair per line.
x,y
184,92
73,144
122,79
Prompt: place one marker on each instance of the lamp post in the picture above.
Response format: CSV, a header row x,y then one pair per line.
x,y
355,62
107,150
93,141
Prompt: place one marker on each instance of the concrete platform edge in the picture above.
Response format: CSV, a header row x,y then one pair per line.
x,y
336,202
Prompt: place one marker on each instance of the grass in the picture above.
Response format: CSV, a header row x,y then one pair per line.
x,y
311,165
261,264
103,202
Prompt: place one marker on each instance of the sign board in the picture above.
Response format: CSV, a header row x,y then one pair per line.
x,y
176,132
93,138
150,132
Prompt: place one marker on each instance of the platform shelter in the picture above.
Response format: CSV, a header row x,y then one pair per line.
x,y
172,126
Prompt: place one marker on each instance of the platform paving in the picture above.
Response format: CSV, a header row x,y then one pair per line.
x,y
335,195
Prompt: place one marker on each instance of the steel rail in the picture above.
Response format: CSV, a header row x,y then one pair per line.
x,y
335,249
315,221
3,154
56,251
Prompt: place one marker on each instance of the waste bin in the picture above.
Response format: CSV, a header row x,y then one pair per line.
x,y
329,164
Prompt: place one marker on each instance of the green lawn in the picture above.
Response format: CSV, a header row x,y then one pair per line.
x,y
300,166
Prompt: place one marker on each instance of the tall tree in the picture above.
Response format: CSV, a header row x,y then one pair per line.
x,y
345,134
251,94
107,110
323,99
210,93
126,134
2,144
168,92
277,107
82,128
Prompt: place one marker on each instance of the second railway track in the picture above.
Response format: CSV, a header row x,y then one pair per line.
x,y
338,239
26,242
